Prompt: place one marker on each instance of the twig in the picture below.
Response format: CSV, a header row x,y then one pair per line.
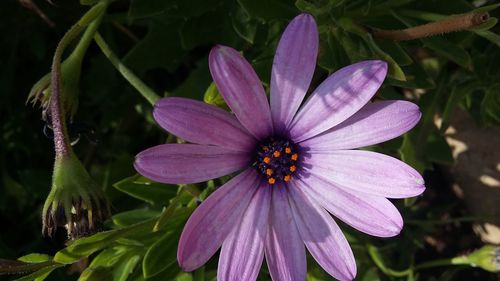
x,y
450,24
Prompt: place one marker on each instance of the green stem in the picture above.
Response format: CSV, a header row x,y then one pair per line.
x,y
377,259
137,83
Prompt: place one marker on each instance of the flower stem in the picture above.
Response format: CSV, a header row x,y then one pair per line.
x,y
137,83
447,25
61,141
375,255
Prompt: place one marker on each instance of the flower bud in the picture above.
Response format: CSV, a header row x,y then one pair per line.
x,y
75,200
488,258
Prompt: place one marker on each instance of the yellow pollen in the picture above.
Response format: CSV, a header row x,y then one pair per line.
x,y
287,178
269,172
271,181
288,150
295,156
276,154
267,160
293,168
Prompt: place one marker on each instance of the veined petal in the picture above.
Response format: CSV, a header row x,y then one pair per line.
x,y
366,172
337,98
322,236
201,123
293,69
241,89
243,250
374,123
284,249
214,219
370,214
188,163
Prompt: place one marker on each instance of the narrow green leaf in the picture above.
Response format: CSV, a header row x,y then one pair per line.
x,y
146,190
486,8
126,267
96,274
134,216
160,255
84,247
458,92
488,35
35,258
40,274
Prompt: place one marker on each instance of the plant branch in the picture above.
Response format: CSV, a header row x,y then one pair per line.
x,y
135,81
447,25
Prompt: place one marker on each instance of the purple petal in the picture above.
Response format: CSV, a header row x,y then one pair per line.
x,y
241,89
188,163
375,123
293,69
214,219
198,122
285,252
370,214
243,250
366,172
337,98
322,236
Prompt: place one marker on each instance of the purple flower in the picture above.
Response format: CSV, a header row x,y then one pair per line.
x,y
296,164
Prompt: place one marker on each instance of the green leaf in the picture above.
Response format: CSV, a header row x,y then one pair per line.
x,y
212,96
395,50
160,255
211,28
458,92
244,25
438,150
141,188
269,10
134,216
175,8
162,38
35,258
331,55
394,70
409,155
40,274
86,246
126,267
488,35
486,8
96,274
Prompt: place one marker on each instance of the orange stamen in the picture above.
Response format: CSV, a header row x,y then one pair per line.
x,y
288,150
276,154
271,181
267,160
293,168
287,178
295,156
269,172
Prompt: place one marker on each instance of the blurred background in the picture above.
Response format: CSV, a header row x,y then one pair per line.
x,y
453,77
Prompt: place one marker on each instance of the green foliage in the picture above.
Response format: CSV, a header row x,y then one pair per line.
x,y
166,44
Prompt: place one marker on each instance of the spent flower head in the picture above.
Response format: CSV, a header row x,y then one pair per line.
x,y
296,162
75,201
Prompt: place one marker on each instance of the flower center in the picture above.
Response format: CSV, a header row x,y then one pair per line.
x,y
276,159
